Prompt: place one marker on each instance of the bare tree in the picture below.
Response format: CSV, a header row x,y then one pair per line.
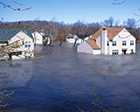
x,y
80,29
131,23
136,13
109,22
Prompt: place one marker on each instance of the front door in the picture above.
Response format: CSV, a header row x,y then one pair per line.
x,y
124,51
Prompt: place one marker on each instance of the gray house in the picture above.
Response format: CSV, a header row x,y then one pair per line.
x,y
15,43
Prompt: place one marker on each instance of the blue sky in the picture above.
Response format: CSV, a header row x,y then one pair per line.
x,y
70,10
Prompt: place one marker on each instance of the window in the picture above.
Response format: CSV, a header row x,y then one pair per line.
x,y
113,43
124,43
132,51
131,42
115,52
26,46
107,43
22,42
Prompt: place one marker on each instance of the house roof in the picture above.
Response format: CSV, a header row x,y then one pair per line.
x,y
93,44
111,33
6,34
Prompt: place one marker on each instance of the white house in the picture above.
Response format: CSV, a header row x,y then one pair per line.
x,y
73,39
38,38
87,38
109,41
41,38
23,46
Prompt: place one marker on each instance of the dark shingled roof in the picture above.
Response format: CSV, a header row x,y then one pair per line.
x,y
6,34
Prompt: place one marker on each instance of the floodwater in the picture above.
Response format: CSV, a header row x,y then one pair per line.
x,y
59,79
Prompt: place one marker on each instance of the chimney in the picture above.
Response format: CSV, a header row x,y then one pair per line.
x,y
104,39
104,33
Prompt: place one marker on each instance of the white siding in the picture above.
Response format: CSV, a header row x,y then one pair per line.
x,y
124,35
97,51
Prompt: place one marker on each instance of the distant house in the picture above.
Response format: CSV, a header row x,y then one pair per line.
x,y
47,39
38,38
109,41
73,39
87,38
41,38
20,44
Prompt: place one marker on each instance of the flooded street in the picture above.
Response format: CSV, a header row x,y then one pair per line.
x,y
61,80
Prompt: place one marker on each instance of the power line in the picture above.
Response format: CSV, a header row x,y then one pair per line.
x,y
4,5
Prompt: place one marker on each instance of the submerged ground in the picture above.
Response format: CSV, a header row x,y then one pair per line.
x,y
61,80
